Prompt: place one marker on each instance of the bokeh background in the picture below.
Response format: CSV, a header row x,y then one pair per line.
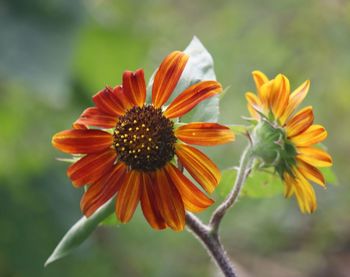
x,y
55,54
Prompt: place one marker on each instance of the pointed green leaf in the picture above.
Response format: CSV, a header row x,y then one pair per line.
x,y
80,231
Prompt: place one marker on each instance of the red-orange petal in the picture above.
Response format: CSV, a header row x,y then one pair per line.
x,y
94,117
103,189
170,202
300,122
167,77
194,199
314,134
134,87
110,101
129,196
91,167
201,168
189,98
149,203
310,172
314,156
205,134
80,141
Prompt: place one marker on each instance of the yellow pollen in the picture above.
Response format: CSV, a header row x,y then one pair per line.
x,y
125,140
123,148
135,121
117,144
157,147
147,129
133,151
148,148
130,129
148,156
149,139
143,125
130,152
137,128
139,150
126,135
122,136
142,136
130,141
135,156
142,145
117,132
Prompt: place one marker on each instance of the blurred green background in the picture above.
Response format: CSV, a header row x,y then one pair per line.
x,y
54,55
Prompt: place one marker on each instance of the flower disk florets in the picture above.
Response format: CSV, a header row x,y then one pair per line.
x,y
144,139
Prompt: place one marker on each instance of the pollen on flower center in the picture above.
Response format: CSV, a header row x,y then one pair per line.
x,y
144,139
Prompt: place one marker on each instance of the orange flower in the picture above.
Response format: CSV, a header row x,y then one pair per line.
x,y
134,161
290,137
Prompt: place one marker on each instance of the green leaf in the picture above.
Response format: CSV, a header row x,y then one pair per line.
x,y
200,67
80,231
239,129
259,184
329,175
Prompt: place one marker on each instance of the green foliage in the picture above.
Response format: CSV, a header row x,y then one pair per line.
x,y
80,231
259,184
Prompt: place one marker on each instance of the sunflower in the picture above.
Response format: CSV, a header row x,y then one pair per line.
x,y
288,139
128,148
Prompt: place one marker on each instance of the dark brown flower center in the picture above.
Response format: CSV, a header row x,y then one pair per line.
x,y
144,139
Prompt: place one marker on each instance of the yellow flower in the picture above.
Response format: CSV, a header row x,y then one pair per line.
x,y
286,140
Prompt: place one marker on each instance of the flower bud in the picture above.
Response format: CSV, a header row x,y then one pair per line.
x,y
272,147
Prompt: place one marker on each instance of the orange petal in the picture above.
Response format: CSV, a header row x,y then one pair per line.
x,y
300,122
254,104
194,199
129,196
310,172
149,203
102,190
134,87
189,98
304,193
314,156
259,79
265,95
314,134
91,167
170,202
167,77
288,182
201,168
295,99
81,141
110,101
94,117
280,95
205,134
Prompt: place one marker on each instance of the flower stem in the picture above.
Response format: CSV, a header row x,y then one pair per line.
x,y
212,243
243,172
208,234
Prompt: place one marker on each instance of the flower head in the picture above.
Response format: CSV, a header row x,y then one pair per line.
x,y
285,139
128,148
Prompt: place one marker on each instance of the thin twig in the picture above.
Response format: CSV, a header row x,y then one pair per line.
x,y
243,172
